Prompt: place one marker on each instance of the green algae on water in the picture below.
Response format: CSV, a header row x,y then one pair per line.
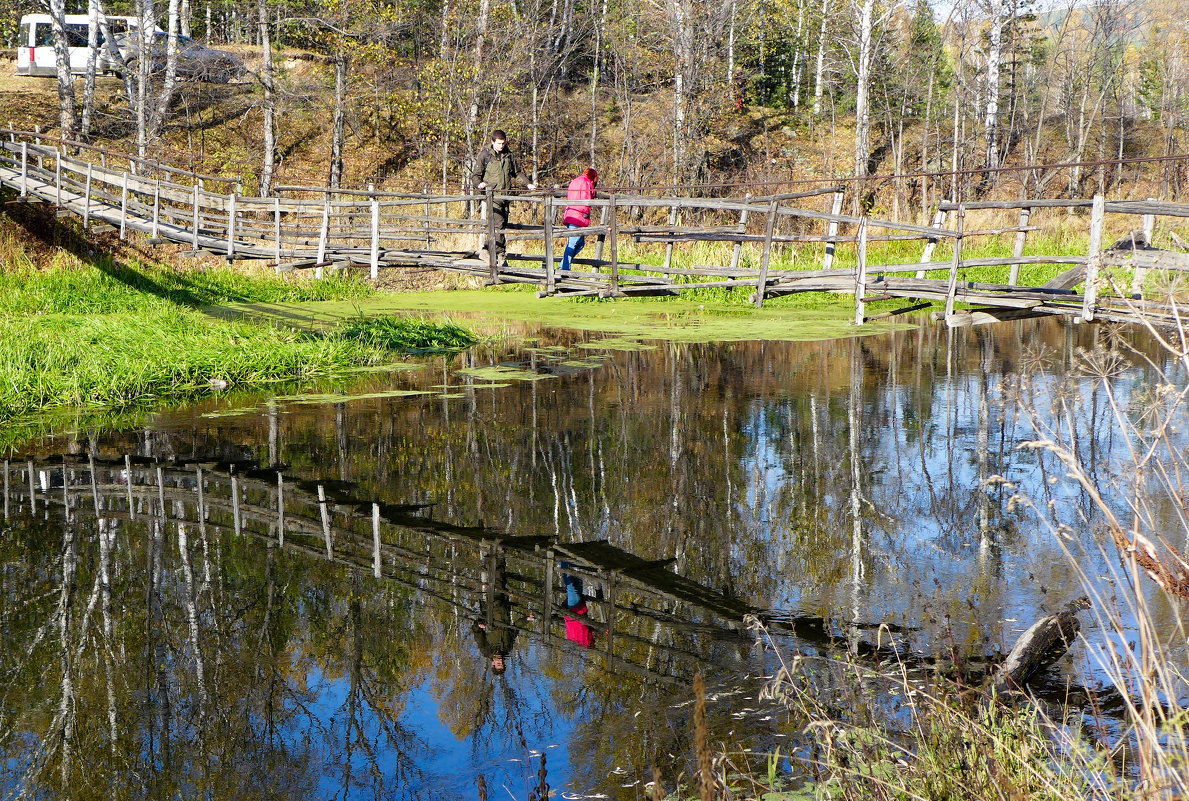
x,y
503,373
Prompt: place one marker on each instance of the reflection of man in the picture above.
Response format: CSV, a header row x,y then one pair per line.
x,y
493,630
576,628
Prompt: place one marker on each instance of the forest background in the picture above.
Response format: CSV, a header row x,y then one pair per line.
x,y
712,96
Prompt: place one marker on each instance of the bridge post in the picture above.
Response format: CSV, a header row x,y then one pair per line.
x,y
230,226
1141,273
87,201
428,238
156,207
235,517
741,230
614,237
601,239
32,490
1017,251
669,245
927,253
24,169
492,267
276,228
550,275
1093,257
6,489
765,258
861,272
58,181
194,221
952,289
124,204
375,253
832,229
323,234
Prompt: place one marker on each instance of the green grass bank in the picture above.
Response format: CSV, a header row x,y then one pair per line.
x,y
106,334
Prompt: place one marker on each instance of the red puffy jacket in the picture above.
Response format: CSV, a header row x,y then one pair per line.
x,y
581,188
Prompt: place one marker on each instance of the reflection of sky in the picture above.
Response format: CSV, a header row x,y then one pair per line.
x,y
444,765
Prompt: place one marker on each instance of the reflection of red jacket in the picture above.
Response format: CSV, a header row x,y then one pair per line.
x,y
576,630
581,188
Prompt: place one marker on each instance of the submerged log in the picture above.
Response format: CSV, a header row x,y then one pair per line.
x,y
1048,637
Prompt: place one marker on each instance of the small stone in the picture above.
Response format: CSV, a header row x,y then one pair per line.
x,y
219,384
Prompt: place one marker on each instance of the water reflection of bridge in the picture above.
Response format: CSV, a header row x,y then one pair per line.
x,y
649,620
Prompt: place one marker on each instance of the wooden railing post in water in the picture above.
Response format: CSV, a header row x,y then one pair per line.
x,y
1141,273
741,230
6,489
376,561
1017,251
324,508
550,274
235,516
375,206
32,491
832,230
952,290
766,257
276,229
231,226
1093,257
927,253
128,485
87,200
614,237
323,235
24,169
861,272
280,509
124,205
492,267
547,600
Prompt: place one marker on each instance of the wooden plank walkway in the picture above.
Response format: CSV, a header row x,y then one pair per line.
x,y
321,229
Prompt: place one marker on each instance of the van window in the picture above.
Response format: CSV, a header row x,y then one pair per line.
x,y
26,32
76,35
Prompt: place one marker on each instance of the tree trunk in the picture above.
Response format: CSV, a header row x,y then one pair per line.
x,y
187,13
270,103
169,83
821,60
862,97
147,23
62,62
476,85
92,64
994,49
340,120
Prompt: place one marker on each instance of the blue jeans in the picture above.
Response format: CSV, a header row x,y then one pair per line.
x,y
573,248
573,585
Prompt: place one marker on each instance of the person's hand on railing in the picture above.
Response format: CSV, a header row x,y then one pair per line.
x,y
482,185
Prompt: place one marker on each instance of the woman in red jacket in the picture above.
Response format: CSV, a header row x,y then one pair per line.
x,y
578,216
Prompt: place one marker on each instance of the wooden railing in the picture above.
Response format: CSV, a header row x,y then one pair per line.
x,y
321,228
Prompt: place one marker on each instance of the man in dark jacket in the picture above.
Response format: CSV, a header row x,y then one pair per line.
x,y
497,169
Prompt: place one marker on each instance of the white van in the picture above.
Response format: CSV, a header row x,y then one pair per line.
x,y
35,44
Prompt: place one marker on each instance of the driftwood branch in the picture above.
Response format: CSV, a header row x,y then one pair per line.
x,y
1048,637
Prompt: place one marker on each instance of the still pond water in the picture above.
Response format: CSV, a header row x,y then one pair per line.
x,y
390,589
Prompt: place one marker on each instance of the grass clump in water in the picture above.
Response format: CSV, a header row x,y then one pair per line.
x,y
409,334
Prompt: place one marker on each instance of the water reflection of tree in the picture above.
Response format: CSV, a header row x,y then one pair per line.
x,y
821,476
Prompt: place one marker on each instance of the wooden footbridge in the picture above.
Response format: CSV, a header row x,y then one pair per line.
x,y
315,228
